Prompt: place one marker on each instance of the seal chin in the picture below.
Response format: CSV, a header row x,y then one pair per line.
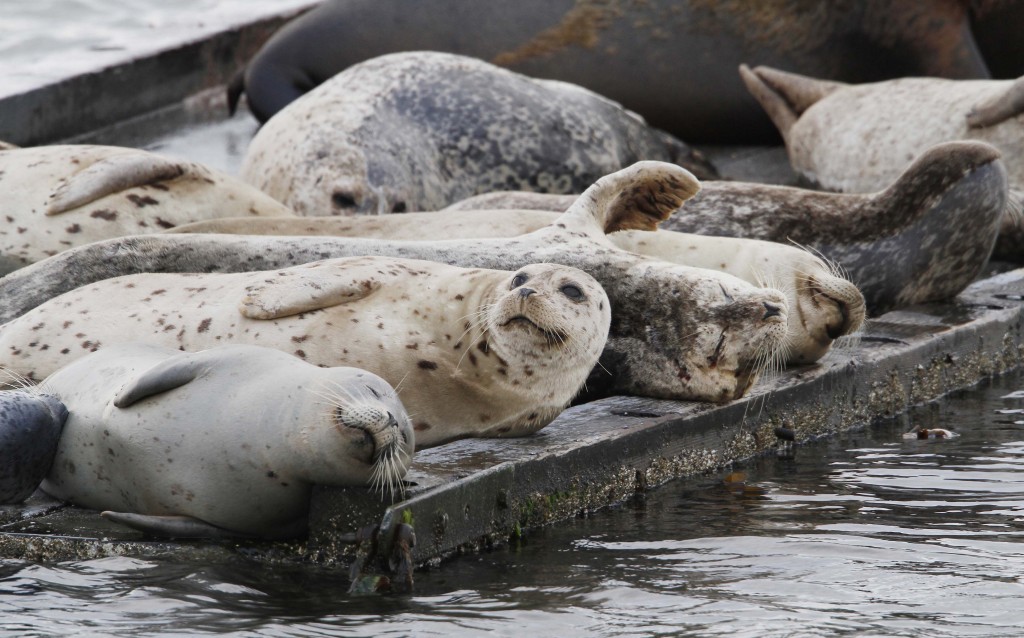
x,y
552,338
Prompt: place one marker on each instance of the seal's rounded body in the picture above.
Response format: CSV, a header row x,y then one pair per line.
x,y
232,437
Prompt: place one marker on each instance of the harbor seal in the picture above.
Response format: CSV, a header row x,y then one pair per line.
x,y
823,304
475,352
858,138
31,420
631,51
418,131
58,197
227,441
709,344
923,238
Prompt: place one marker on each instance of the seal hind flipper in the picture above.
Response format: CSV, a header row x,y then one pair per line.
x,y
784,96
171,526
163,377
306,288
1008,104
110,175
638,197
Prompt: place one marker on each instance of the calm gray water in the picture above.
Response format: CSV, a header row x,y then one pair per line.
x,y
864,534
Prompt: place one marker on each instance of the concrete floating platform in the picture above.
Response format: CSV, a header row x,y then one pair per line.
x,y
472,493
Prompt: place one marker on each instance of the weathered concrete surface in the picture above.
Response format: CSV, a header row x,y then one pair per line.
x,y
159,82
472,493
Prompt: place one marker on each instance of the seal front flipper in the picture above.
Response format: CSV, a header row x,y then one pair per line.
x,y
309,287
111,175
171,526
1002,107
164,376
784,96
638,197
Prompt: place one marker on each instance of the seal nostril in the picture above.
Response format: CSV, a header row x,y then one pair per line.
x,y
526,292
392,421
771,310
343,200
834,332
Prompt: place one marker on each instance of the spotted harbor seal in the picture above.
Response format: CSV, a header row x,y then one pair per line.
x,y
58,197
475,352
631,51
858,138
823,304
709,343
31,420
227,441
418,131
923,238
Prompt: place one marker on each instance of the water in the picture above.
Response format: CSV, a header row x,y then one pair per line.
x,y
862,534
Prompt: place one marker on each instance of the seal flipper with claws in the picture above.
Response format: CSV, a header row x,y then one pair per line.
x,y
219,443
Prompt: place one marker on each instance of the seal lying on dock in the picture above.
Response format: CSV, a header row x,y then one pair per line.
x,y
474,352
821,302
858,138
923,238
31,420
632,52
227,441
677,332
58,197
418,131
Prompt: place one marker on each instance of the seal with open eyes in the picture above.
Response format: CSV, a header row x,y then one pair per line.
x,y
710,343
474,352
227,441
58,197
418,131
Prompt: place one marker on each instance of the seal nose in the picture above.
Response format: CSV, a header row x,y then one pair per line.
x,y
392,421
771,310
526,292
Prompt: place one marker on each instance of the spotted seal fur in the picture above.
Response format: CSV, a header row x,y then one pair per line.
x,y
710,343
227,441
475,352
58,197
418,131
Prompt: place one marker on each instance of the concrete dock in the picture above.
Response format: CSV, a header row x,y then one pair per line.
x,y
474,493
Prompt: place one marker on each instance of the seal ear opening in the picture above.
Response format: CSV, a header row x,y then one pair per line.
x,y
1000,108
638,197
163,377
785,96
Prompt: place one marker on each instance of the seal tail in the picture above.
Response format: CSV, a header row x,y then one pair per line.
x,y
784,96
638,197
235,88
1007,104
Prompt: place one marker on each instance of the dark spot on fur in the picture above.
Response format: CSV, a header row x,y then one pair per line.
x,y
163,223
73,228
426,365
412,346
300,339
142,200
472,359
104,214
204,325
483,347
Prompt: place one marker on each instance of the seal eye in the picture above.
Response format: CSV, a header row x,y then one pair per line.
x,y
573,292
519,280
399,207
343,200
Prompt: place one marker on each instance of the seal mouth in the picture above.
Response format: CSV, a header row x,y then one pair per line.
x,y
552,337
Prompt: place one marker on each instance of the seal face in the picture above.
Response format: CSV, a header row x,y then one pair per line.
x,y
30,426
646,328
58,197
418,131
229,440
476,352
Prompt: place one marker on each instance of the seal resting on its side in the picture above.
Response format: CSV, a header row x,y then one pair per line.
x,y
923,238
676,333
58,197
823,305
418,131
669,60
227,441
474,352
31,420
859,138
